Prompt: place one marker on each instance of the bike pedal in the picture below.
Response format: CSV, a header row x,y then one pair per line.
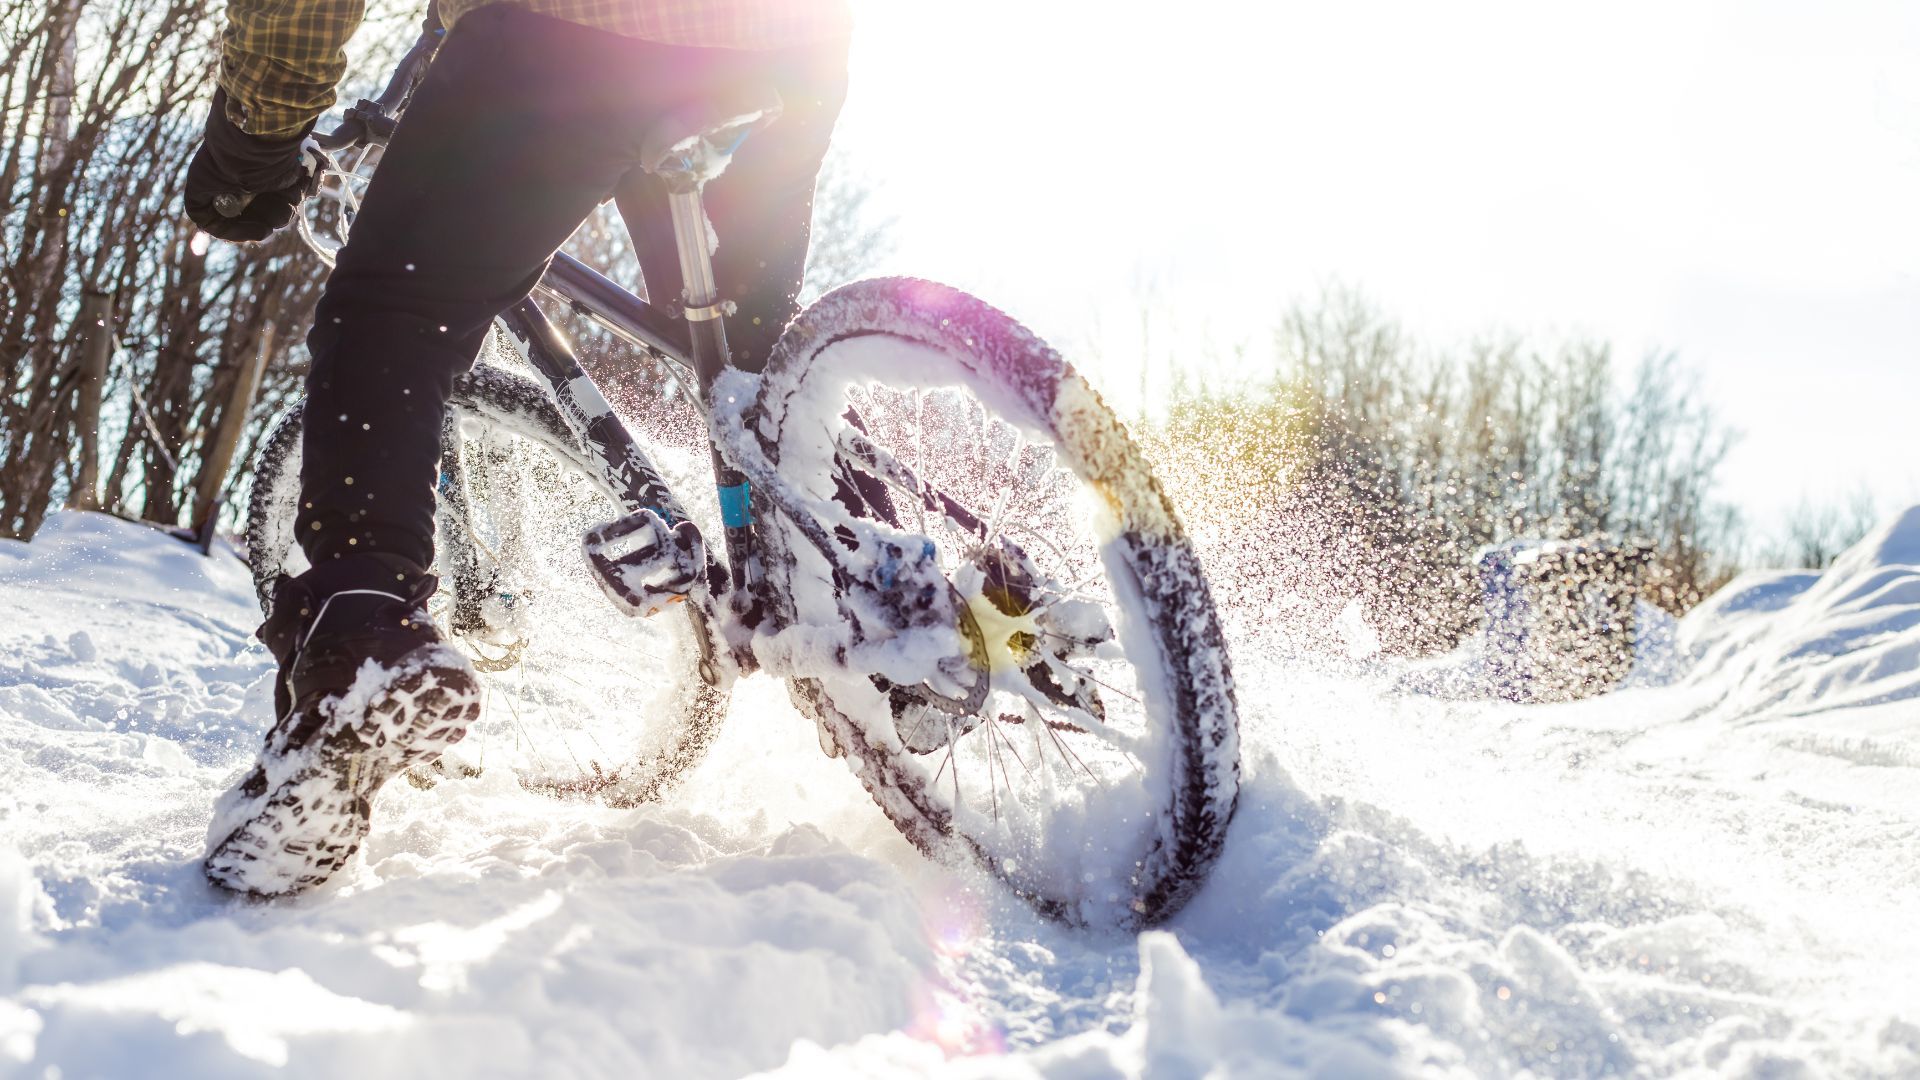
x,y
643,564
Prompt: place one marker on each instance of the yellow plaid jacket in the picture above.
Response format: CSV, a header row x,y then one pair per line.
x,y
280,60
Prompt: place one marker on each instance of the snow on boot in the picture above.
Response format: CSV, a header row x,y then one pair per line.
x,y
367,690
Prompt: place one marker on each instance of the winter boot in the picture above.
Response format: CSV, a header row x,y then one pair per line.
x,y
366,690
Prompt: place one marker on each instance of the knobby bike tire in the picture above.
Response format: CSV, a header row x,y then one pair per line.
x,y
1027,380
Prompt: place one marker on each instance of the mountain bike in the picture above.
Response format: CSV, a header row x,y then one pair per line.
x,y
932,528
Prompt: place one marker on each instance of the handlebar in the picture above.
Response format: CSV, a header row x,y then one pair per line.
x,y
369,122
372,120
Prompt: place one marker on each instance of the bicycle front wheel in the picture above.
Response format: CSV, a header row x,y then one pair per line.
x,y
578,698
1099,777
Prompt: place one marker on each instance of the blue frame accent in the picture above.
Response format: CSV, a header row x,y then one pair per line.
x,y
734,509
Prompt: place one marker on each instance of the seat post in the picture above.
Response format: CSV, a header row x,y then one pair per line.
x,y
701,303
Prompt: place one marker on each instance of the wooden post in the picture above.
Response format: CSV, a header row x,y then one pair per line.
x,y
233,423
96,351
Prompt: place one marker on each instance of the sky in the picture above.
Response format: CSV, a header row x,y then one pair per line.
x,y
1739,183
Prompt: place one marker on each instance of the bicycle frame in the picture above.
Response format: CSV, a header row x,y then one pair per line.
x,y
634,481
691,339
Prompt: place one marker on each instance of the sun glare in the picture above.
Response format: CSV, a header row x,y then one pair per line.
x,y
1726,182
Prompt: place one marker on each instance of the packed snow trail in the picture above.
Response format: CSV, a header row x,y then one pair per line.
x,y
1709,873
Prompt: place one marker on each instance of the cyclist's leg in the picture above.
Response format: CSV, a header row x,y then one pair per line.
x,y
761,207
768,192
522,125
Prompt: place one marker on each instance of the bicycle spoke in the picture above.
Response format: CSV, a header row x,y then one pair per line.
x,y
1086,721
1045,540
558,734
1004,512
994,519
919,455
993,793
1039,748
950,758
942,770
994,724
1072,592
1067,753
547,704
521,726
920,722
486,703
1058,664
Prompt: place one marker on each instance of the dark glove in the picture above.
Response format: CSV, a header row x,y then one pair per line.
x,y
242,187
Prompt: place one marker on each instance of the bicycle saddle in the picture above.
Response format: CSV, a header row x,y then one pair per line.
x,y
692,144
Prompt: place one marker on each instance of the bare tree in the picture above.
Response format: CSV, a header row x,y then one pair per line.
x,y
1816,533
86,191
101,104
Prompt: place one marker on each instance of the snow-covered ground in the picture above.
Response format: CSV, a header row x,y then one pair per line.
x,y
1715,872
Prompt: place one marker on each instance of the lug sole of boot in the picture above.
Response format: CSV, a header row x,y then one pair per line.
x,y
315,820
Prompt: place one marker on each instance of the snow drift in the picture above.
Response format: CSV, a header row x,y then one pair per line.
x,y
1711,872
1796,644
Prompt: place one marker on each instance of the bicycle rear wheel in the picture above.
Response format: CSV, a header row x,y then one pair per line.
x,y
578,698
1100,775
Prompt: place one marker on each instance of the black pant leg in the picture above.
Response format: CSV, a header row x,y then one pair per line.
x,y
522,125
762,206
